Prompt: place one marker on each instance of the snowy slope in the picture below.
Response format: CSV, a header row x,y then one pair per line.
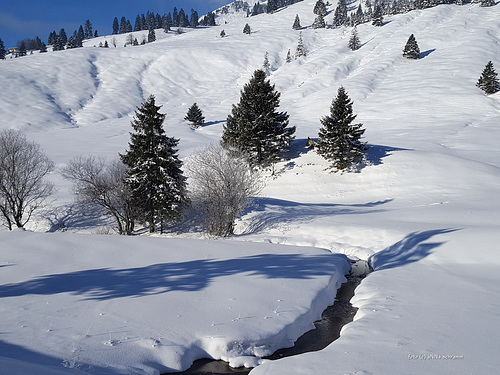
x,y
426,211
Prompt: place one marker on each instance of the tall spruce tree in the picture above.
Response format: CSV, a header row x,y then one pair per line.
x,y
488,82
320,8
154,174
411,50
254,128
116,26
151,36
301,50
339,141
195,116
88,30
378,16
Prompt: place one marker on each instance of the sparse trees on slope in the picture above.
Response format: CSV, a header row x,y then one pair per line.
x,y
255,128
354,42
221,187
339,141
98,183
411,50
23,169
488,82
296,23
154,170
195,116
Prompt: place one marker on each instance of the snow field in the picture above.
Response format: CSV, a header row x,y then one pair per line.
x,y
425,210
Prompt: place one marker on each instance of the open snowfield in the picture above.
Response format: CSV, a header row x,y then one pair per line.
x,y
425,211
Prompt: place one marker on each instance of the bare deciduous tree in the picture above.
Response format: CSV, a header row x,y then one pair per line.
x,y
102,184
23,168
221,186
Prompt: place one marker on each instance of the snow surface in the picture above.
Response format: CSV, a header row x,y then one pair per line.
x,y
425,211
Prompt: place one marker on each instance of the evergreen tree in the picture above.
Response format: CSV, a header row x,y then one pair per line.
x,y
411,50
58,44
255,128
43,48
378,17
22,49
183,21
52,38
301,50
488,82
339,140
320,8
319,23
195,116
272,6
106,45
354,42
116,26
151,36
194,19
123,26
175,18
138,24
360,16
487,3
80,35
63,37
96,34
222,33
154,174
296,23
246,29
288,57
88,30
167,22
340,17
3,52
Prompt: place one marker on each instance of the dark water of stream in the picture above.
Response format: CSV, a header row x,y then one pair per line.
x,y
327,329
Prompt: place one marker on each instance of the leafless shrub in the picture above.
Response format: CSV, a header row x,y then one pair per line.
x,y
221,187
23,168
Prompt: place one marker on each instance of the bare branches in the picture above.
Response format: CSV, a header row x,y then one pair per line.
x,y
23,168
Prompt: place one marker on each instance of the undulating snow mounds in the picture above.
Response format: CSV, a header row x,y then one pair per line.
x,y
424,210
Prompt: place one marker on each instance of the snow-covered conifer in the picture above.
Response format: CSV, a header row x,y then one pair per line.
x,y
339,141
2,50
296,23
488,82
301,50
246,29
320,8
378,17
411,50
319,22
154,174
354,42
254,128
195,116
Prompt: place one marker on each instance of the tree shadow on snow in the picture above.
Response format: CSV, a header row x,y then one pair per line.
x,y
409,250
108,283
376,153
426,53
278,212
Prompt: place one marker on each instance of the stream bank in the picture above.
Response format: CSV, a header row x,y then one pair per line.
x,y
326,330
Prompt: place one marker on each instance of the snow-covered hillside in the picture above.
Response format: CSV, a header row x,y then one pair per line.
x,y
425,211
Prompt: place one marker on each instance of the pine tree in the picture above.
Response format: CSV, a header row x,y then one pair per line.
x,y
255,128
288,57
320,8
272,6
115,26
151,36
88,30
339,140
63,37
488,82
319,23
246,29
154,174
411,50
378,17
222,33
340,17
301,50
487,3
3,52
354,42
43,48
194,19
22,49
296,23
195,116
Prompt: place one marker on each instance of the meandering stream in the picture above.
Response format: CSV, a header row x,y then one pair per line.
x,y
327,329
